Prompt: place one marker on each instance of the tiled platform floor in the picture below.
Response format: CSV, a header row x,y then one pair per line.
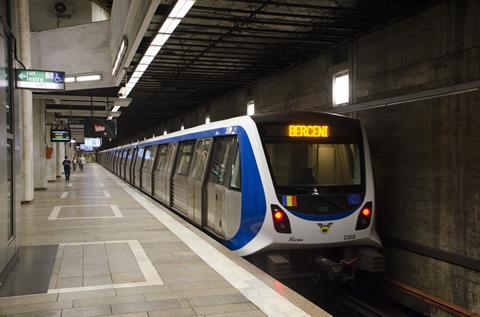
x,y
122,254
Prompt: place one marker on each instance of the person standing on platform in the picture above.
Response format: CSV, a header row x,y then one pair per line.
x,y
82,162
66,167
74,161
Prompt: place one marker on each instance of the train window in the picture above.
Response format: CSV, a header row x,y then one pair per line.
x,y
201,156
149,157
184,158
170,159
138,161
314,164
235,182
196,158
219,164
162,155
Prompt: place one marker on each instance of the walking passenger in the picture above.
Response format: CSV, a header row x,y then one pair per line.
x,y
81,162
66,167
74,161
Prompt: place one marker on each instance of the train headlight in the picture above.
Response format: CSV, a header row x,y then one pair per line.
x,y
365,217
280,220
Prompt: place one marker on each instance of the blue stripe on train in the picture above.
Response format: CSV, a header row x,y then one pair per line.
x,y
253,194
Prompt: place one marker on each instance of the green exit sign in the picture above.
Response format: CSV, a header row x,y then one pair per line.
x,y
39,79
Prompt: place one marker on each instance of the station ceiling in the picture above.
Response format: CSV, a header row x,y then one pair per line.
x,y
222,45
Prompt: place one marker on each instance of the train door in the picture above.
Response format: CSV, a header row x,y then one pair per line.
x,y
159,173
171,155
125,163
132,166
218,194
196,180
180,176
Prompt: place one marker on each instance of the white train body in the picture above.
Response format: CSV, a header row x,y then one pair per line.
x,y
279,181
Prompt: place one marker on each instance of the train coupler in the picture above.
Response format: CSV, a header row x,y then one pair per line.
x,y
342,271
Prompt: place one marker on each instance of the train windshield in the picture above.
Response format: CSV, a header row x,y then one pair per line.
x,y
297,165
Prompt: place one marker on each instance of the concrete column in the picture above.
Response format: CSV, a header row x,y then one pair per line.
x,y
52,161
60,154
26,97
39,142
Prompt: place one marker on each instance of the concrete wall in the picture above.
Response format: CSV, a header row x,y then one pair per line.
x,y
39,142
43,15
425,153
52,161
82,49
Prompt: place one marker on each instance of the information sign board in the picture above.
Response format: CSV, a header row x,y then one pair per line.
x,y
39,79
93,142
60,135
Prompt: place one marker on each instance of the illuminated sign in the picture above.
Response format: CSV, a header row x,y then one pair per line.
x,y
60,136
39,79
93,142
308,131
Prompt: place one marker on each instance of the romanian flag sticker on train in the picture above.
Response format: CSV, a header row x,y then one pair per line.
x,y
289,201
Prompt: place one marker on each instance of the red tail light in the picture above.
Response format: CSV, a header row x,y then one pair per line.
x,y
365,217
280,220
366,212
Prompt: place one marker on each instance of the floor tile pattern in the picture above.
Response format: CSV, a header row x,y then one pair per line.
x,y
120,253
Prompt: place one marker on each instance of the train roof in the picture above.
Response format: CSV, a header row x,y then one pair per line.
x,y
302,116
267,117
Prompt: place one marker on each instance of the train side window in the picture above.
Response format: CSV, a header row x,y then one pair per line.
x,y
196,158
149,157
184,158
203,159
236,180
162,155
219,164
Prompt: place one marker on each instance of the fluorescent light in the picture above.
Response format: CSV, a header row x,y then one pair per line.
x,y
169,25
146,59
341,89
164,132
70,79
160,39
110,117
120,53
251,108
207,119
115,109
178,12
130,85
88,77
152,50
181,8
141,67
73,141
134,80
137,74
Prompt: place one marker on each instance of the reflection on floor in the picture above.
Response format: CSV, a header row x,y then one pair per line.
x,y
30,271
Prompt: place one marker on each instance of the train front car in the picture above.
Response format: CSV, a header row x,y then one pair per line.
x,y
320,193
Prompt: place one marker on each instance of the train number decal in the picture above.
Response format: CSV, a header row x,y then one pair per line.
x,y
349,237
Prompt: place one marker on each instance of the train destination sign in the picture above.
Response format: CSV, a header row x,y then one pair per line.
x,y
308,131
39,79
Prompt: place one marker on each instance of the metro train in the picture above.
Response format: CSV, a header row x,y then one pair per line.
x,y
285,183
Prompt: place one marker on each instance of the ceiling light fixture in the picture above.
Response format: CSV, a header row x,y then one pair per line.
x,y
115,109
120,54
93,77
178,12
70,79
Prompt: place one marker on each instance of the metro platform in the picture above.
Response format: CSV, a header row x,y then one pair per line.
x,y
95,246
